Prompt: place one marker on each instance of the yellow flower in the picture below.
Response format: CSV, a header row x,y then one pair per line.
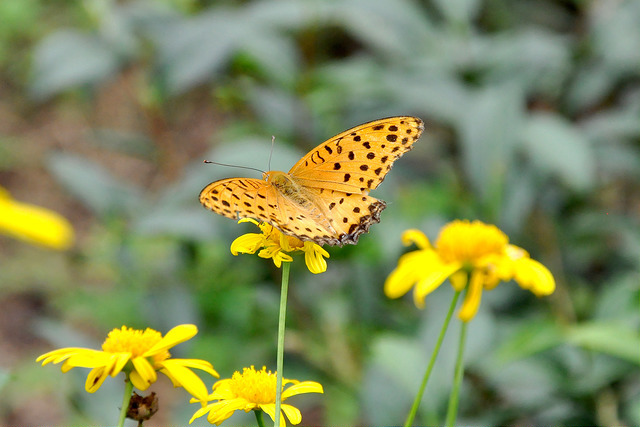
x,y
139,354
34,224
253,390
465,249
273,244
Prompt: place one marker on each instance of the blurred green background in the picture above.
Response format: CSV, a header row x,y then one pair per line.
x,y
532,111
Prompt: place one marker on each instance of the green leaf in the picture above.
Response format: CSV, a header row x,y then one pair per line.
x,y
94,185
69,58
531,337
459,11
489,124
615,339
559,149
192,50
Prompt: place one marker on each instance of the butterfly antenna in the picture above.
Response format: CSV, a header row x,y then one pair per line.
x,y
234,166
273,141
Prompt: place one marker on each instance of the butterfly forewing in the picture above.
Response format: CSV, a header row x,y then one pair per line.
x,y
238,198
358,159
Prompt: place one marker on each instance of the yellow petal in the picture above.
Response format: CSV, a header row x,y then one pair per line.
x,y
34,224
143,374
203,365
175,336
472,298
185,377
119,362
313,257
57,356
302,387
87,358
247,243
95,379
292,413
225,409
200,412
270,409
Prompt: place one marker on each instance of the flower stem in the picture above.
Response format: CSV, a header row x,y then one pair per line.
x,y
259,418
280,355
434,355
128,389
452,411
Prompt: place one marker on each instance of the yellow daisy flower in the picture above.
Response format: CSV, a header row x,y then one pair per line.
x,y
139,354
273,244
470,254
34,224
253,390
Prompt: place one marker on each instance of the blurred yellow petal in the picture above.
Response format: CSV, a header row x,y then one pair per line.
x,y
431,280
34,224
465,248
416,237
409,271
532,275
472,298
459,280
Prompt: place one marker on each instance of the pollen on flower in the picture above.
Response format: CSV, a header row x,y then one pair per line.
x,y
466,242
129,340
255,386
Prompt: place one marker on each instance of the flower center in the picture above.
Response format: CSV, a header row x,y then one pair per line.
x,y
255,386
129,340
467,242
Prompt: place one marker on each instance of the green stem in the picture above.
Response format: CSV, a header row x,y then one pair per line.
x,y
259,417
280,355
128,390
452,411
434,355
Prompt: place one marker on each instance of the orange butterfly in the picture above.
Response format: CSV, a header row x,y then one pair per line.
x,y
324,197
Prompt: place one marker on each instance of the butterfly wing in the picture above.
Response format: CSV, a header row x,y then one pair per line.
x,y
357,160
239,198
327,201
255,198
348,214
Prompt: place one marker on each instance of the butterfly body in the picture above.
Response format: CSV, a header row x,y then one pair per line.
x,y
325,196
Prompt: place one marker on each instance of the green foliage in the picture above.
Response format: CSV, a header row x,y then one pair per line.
x,y
533,123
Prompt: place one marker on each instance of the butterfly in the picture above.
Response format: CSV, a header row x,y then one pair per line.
x,y
324,198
